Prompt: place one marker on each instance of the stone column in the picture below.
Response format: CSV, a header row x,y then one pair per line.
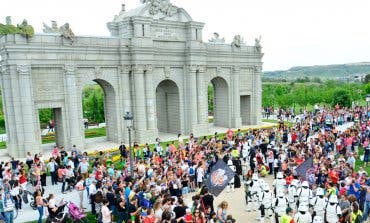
x,y
202,97
28,116
76,131
257,119
236,119
8,108
150,103
140,111
191,99
126,97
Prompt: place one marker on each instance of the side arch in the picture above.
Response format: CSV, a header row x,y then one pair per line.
x,y
168,107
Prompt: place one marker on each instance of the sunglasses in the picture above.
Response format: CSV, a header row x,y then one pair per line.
x,y
197,212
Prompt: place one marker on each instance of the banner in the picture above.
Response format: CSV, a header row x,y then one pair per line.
x,y
303,170
220,176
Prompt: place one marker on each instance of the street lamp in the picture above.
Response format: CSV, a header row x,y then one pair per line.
x,y
128,117
367,105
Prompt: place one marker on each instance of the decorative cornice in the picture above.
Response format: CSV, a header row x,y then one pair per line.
x,y
69,69
148,68
257,69
4,69
126,68
236,69
192,68
24,69
201,68
138,68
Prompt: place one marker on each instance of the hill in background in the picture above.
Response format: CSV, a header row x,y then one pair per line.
x,y
355,71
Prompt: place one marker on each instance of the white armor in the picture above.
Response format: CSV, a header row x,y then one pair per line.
x,y
279,183
319,203
303,216
318,219
230,186
333,211
292,194
255,189
304,194
265,200
280,203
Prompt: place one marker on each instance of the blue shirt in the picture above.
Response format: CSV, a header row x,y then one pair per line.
x,y
351,190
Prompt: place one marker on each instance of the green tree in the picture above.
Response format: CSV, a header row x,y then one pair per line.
x,y
342,97
367,78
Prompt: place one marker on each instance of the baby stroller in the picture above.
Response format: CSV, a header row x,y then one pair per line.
x,y
58,216
29,196
76,214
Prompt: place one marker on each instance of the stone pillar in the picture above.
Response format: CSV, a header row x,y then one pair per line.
x,y
150,103
76,132
8,108
27,118
126,87
236,121
202,97
140,111
257,120
191,99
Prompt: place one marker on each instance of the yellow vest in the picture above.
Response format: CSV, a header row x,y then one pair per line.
x,y
285,219
354,216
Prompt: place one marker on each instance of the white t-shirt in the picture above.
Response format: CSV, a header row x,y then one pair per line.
x,y
200,174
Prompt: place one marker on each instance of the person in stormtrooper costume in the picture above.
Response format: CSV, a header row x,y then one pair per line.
x,y
304,194
292,194
303,215
280,204
318,203
333,210
230,185
279,183
255,189
265,200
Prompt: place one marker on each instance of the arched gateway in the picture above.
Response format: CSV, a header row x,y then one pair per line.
x,y
155,64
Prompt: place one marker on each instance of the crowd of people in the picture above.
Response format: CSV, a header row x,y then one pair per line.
x,y
332,188
166,176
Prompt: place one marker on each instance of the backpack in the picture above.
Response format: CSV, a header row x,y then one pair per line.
x,y
191,171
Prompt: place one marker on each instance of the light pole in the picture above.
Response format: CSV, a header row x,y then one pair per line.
x,y
367,106
128,117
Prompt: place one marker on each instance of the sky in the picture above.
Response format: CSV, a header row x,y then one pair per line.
x,y
294,32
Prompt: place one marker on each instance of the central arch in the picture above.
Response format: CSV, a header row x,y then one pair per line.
x,y
109,109
168,107
220,102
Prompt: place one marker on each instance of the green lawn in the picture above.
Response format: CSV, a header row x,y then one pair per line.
x,y
89,133
290,124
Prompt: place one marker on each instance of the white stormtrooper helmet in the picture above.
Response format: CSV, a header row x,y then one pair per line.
x,y
319,192
280,175
303,208
317,219
305,184
230,163
333,199
255,177
266,187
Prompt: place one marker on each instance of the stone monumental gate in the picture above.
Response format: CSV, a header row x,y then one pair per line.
x,y
155,65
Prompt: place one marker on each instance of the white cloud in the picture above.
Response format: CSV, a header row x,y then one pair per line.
x,y
303,32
